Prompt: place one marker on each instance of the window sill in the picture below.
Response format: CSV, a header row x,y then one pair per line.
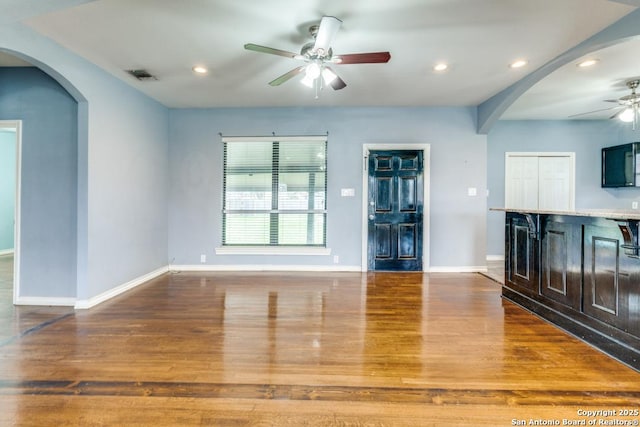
x,y
272,250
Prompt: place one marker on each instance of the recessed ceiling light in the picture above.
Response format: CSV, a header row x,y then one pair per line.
x,y
199,69
440,67
518,64
587,63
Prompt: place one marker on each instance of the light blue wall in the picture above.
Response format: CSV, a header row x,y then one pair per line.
x,y
7,188
127,187
48,179
458,161
121,184
584,137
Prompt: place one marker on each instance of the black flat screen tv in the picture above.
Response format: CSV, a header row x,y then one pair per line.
x,y
619,165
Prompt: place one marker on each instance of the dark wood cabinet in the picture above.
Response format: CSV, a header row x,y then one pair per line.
x,y
612,274
579,272
521,260
560,263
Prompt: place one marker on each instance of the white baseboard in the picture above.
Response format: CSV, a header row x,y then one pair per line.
x,y
309,268
266,267
495,257
4,252
58,302
92,302
459,269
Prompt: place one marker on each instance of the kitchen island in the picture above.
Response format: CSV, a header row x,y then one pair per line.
x,y
579,270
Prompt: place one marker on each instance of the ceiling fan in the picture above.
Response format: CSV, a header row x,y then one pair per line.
x,y
318,57
628,106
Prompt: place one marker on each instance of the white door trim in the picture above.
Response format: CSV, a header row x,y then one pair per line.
x,y
17,125
426,159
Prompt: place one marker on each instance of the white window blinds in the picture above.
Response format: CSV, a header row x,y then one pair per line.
x,y
275,191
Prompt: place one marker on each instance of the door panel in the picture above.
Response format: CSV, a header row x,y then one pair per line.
x,y
611,279
521,254
383,243
395,210
407,241
604,275
408,199
383,193
560,265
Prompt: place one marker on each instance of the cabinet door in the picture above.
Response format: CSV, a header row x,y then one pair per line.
x,y
611,283
560,260
521,261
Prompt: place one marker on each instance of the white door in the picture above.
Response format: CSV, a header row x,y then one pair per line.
x,y
540,181
554,183
521,182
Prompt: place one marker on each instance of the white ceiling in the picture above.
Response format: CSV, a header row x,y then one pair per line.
x,y
478,38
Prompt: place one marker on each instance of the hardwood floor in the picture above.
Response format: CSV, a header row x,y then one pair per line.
x,y
19,320
297,349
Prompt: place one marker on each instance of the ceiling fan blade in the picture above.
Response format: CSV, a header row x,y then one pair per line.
x,y
362,58
286,76
270,50
594,111
617,114
329,26
336,83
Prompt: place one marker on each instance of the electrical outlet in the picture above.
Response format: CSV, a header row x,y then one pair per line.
x,y
634,205
336,259
203,258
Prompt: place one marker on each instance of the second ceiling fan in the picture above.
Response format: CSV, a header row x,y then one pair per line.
x,y
628,108
318,57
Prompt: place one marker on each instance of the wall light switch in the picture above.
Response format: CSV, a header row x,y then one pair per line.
x,y
634,205
203,258
348,192
472,191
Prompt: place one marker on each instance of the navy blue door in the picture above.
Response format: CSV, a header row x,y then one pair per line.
x,y
395,210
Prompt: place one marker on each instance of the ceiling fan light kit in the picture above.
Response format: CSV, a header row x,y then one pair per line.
x,y
318,55
631,112
626,115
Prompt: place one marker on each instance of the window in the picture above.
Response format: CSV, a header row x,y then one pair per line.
x,y
275,191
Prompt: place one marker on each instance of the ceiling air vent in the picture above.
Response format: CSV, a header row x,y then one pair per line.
x,y
142,75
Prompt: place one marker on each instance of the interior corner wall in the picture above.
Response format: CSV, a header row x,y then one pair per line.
x,y
121,185
584,137
48,179
127,186
7,189
458,162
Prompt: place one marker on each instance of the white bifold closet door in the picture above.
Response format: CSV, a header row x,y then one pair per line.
x,y
544,181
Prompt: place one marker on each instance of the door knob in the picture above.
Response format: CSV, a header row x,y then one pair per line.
x,y
372,217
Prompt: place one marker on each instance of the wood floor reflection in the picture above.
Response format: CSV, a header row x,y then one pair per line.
x,y
16,321
305,349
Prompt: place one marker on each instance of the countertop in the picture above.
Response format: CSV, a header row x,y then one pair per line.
x,y
596,213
